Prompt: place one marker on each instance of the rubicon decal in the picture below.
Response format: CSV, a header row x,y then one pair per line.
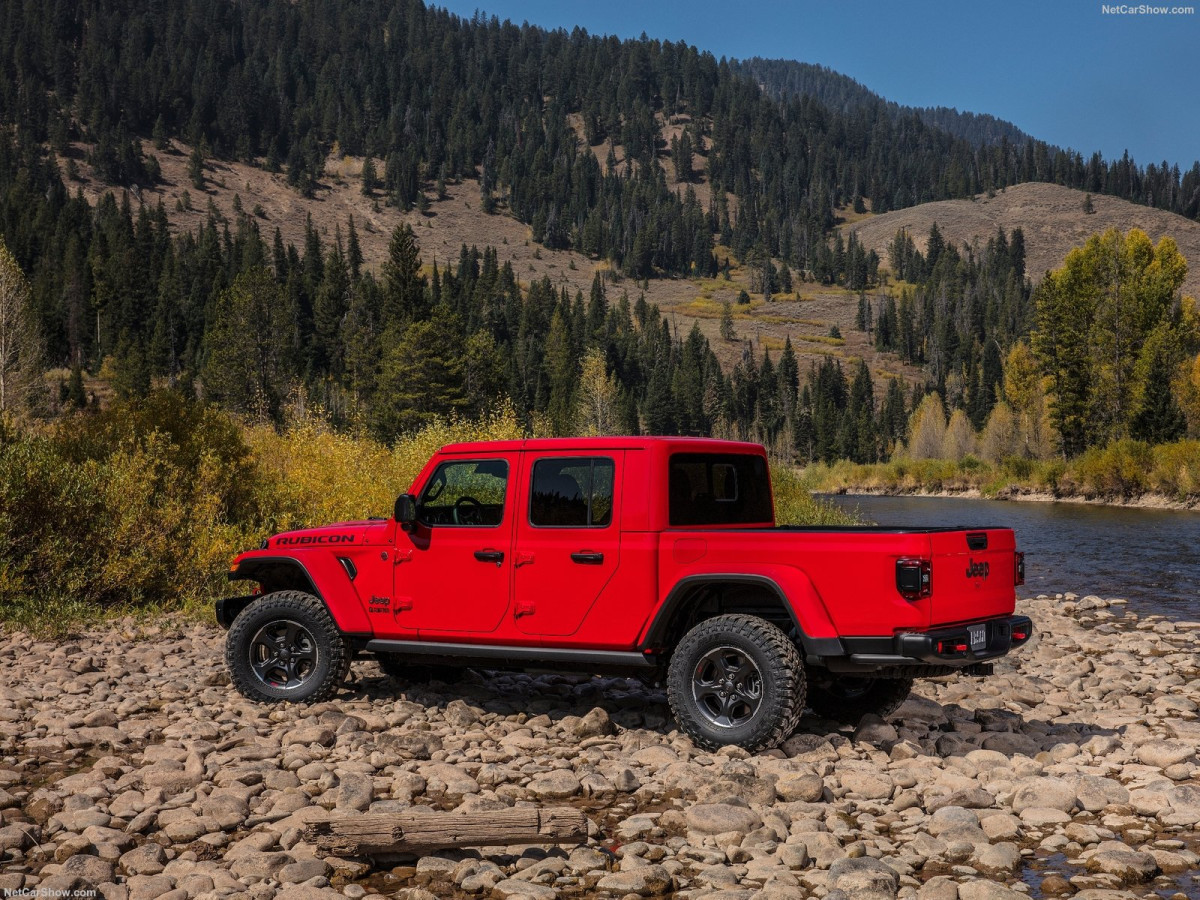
x,y
977,569
315,539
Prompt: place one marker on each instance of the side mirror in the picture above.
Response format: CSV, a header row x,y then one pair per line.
x,y
406,510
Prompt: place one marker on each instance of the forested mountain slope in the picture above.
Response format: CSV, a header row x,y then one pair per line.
x,y
526,193
783,78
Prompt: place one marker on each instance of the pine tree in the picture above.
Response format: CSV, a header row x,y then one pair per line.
x,y
1158,419
370,180
403,284
728,333
562,373
420,375
196,168
246,346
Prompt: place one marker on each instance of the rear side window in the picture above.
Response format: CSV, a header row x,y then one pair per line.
x,y
718,489
572,493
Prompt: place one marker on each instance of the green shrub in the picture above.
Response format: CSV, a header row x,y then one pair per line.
x,y
1176,470
795,505
1121,469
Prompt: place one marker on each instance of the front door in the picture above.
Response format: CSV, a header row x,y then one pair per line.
x,y
568,542
453,569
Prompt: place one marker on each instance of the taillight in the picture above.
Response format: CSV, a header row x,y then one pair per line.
x,y
914,578
1019,566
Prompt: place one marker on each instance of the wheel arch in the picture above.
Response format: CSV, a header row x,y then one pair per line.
x,y
695,598
286,573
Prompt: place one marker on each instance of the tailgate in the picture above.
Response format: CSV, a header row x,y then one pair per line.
x,y
973,575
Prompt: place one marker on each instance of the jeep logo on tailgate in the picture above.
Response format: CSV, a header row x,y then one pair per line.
x,y
977,569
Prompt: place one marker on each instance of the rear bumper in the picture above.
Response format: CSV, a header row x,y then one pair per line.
x,y
951,647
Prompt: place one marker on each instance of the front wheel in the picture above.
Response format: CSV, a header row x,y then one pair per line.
x,y
736,679
286,646
847,698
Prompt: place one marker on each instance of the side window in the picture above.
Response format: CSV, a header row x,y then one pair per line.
x,y
572,493
465,492
718,489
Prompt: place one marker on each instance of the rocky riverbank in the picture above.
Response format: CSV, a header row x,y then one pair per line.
x,y
128,765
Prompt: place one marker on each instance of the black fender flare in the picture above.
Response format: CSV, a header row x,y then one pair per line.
x,y
260,568
657,632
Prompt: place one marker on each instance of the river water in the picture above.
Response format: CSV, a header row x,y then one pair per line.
x,y
1149,556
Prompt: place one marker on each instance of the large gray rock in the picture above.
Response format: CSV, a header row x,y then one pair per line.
x,y
309,734
259,865
717,818
355,792
148,859
594,724
1046,793
1122,861
91,869
1166,753
150,887
1094,793
302,870
804,787
645,881
966,798
949,817
864,879
556,785
987,890
868,785
527,890
997,859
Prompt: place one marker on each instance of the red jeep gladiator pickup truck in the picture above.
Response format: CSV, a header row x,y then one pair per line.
x,y
657,556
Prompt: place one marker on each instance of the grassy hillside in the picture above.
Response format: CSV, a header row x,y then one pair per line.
x,y
1051,216
806,315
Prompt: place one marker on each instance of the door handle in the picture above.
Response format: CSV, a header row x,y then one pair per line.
x,y
522,559
496,556
587,558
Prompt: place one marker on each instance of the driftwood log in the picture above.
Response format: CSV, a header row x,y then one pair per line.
x,y
421,832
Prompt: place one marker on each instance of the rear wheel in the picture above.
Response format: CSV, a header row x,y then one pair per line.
x,y
736,679
848,698
286,646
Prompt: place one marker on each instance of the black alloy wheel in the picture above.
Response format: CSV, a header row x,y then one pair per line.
x,y
283,654
727,687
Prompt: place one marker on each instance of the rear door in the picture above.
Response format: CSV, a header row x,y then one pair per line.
x,y
568,539
973,574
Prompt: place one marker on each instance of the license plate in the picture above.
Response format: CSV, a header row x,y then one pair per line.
x,y
978,635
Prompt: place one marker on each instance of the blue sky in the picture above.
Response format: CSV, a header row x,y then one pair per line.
x,y
1062,70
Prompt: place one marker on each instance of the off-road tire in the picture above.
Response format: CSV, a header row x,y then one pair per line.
x,y
846,698
780,672
332,657
398,666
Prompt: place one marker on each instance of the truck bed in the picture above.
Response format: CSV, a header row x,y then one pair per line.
x,y
852,569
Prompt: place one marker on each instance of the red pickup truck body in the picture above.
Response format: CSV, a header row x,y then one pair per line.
x,y
675,530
